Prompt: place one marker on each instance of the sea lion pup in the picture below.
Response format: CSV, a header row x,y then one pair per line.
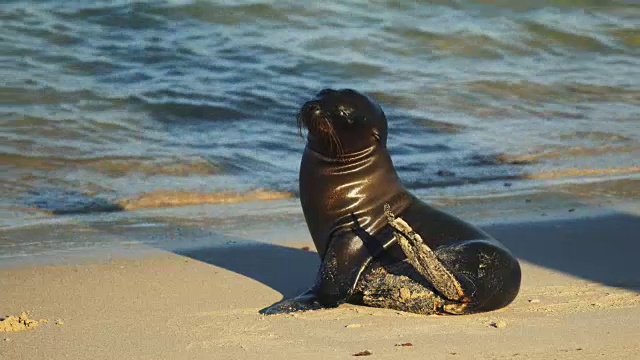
x,y
379,245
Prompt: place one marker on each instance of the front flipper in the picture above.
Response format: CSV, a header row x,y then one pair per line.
x,y
346,257
302,302
344,260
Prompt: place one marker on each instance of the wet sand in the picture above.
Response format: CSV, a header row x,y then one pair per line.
x,y
579,300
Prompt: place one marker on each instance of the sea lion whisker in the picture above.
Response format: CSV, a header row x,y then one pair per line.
x,y
318,122
332,140
299,121
339,149
334,137
326,127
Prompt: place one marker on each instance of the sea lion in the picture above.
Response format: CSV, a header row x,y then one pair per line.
x,y
379,245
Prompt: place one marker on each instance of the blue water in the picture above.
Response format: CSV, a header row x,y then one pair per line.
x,y
104,101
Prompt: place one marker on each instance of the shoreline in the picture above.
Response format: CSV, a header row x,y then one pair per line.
x,y
87,237
579,299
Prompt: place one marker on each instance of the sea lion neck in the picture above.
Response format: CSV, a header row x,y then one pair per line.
x,y
343,158
332,190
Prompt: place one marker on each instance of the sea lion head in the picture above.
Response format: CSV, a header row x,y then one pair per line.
x,y
342,123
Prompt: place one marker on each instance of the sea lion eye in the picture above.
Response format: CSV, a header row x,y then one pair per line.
x,y
346,114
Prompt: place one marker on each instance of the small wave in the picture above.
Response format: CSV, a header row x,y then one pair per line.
x,y
564,173
164,198
628,36
174,111
43,95
66,202
387,98
441,127
118,166
548,38
555,93
121,16
452,180
177,167
462,43
554,153
232,14
499,159
599,136
418,185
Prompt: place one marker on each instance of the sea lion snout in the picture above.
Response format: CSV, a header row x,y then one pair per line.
x,y
342,122
309,110
314,118
332,106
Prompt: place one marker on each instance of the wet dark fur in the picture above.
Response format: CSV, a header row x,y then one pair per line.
x,y
379,245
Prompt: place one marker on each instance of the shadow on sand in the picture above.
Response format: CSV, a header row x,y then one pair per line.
x,y
601,249
287,270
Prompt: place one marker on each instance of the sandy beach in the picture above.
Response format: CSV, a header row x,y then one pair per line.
x,y
579,300
150,153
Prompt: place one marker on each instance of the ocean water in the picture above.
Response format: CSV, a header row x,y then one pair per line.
x,y
122,105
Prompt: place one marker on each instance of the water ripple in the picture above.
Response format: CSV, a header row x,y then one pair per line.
x,y
123,98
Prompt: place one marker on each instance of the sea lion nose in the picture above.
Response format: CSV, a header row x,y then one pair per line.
x,y
311,108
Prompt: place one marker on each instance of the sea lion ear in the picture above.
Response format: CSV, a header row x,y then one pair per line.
x,y
376,134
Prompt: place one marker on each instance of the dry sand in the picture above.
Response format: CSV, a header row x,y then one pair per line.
x,y
579,300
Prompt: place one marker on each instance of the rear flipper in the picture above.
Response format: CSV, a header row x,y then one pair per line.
x,y
398,286
471,276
